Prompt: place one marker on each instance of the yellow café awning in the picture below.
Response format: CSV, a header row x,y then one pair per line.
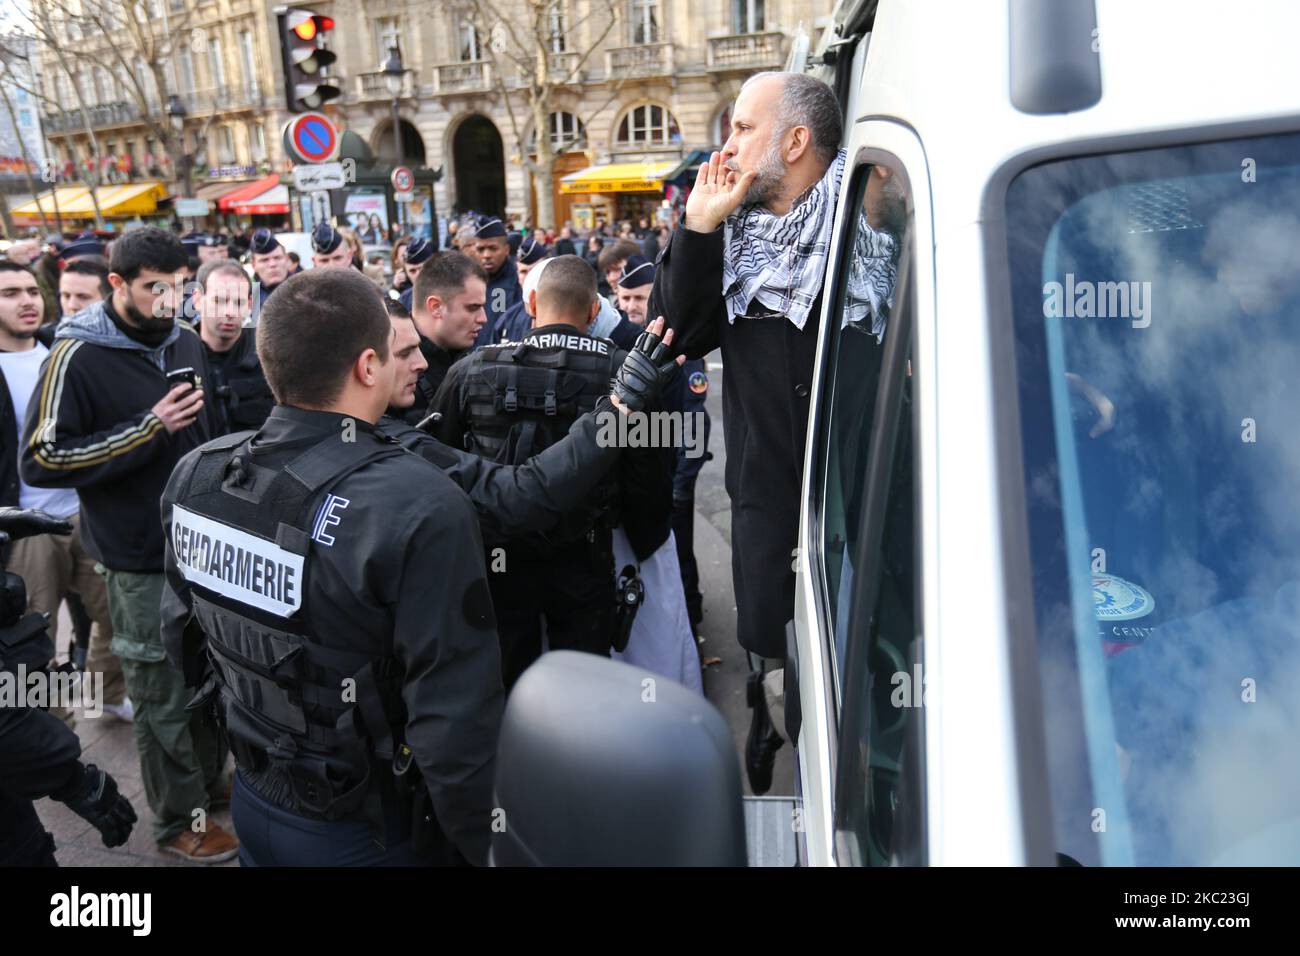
x,y
645,177
116,202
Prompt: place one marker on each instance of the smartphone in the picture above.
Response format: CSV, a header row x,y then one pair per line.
x,y
178,375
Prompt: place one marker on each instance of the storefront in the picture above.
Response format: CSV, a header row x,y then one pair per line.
x,y
617,191
264,202
141,202
368,204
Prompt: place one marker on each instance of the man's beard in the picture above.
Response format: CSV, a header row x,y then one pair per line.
x,y
148,323
769,182
22,333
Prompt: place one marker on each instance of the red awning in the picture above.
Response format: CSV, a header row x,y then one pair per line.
x,y
273,202
227,202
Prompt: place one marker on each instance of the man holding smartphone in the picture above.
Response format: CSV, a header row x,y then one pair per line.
x,y
107,420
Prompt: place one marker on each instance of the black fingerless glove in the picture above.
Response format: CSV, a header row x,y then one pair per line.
x,y
92,795
643,372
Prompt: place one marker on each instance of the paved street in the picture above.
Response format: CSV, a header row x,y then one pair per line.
x,y
110,744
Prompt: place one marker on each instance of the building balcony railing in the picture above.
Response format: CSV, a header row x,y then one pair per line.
x,y
224,97
374,86
103,114
471,76
563,67
746,51
650,59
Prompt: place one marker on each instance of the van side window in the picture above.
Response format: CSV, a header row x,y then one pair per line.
x,y
865,300
869,531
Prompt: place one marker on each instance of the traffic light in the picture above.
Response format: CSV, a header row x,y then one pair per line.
x,y
302,35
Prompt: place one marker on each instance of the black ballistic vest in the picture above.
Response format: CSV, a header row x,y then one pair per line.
x,y
326,718
522,398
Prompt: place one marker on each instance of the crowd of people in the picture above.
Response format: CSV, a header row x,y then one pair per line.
x,y
122,357
328,524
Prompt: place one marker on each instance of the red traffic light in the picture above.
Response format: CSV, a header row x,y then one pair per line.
x,y
309,25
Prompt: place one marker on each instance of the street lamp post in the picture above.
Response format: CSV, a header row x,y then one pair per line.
x,y
393,76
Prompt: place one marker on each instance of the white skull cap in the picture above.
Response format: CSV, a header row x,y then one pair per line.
x,y
530,281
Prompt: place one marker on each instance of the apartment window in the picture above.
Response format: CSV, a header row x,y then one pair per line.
x,y
567,131
388,34
247,61
649,125
555,26
643,21
24,117
186,61
216,68
748,16
467,34
257,142
226,146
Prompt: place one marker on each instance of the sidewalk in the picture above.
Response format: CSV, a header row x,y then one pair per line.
x,y
109,744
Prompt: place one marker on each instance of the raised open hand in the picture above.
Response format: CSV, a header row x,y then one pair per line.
x,y
718,192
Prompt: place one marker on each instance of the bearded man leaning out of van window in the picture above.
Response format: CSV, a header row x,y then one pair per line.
x,y
744,271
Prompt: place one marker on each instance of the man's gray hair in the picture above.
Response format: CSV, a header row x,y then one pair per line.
x,y
807,101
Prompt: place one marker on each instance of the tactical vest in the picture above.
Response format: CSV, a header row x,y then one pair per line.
x,y
522,397
241,537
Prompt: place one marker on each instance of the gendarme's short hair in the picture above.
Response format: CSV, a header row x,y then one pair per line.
x,y
567,287
314,328
807,101
445,276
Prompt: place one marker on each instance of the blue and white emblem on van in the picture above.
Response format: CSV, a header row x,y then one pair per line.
x,y
1115,599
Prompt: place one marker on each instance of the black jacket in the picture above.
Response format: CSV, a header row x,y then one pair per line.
x,y
9,434
643,476
402,574
91,427
240,395
769,369
513,500
440,362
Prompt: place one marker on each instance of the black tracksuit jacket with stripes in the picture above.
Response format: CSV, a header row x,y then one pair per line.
x,y
90,426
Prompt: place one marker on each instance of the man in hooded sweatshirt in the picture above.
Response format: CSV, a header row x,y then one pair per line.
x,y
106,420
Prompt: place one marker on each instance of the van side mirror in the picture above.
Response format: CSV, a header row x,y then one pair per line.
x,y
605,764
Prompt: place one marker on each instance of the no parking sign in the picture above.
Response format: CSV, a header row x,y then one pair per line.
x,y
312,138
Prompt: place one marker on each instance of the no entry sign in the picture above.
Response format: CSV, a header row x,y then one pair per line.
x,y
312,138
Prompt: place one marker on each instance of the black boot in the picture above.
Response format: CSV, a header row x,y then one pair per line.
x,y
764,741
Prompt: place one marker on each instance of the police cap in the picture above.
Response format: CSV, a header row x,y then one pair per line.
x,y
637,271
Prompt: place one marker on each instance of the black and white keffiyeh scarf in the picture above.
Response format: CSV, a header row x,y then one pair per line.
x,y
780,261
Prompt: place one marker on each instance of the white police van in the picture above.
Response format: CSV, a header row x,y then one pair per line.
x,y
1048,605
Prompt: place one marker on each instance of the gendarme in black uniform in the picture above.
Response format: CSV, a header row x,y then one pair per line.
x,y
508,402
243,397
440,362
349,636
